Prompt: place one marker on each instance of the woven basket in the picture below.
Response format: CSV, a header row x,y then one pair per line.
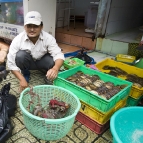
x,y
49,129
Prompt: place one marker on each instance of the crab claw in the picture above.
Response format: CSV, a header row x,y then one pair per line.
x,y
54,102
44,115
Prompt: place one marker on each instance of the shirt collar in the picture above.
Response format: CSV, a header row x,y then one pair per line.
x,y
40,37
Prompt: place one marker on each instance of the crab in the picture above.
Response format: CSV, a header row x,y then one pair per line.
x,y
95,92
137,85
109,85
102,90
88,87
114,91
95,77
106,96
98,83
92,86
115,71
137,81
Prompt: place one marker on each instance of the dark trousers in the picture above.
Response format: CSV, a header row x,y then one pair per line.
x,y
25,61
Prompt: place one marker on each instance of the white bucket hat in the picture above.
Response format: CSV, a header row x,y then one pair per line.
x,y
33,17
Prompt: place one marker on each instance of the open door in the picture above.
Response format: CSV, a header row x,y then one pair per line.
x,y
118,25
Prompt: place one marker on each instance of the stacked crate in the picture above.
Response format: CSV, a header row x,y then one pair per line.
x,y
136,93
95,111
96,120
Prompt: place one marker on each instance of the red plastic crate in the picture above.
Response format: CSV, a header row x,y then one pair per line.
x,y
91,124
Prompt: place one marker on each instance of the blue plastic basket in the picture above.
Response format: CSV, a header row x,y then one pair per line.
x,y
126,125
49,129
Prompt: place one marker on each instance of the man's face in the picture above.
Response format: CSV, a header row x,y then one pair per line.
x,y
33,30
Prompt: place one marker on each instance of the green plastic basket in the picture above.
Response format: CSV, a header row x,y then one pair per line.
x,y
49,129
88,97
132,101
78,63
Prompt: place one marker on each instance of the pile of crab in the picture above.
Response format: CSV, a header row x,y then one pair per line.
x,y
94,84
54,109
118,72
72,62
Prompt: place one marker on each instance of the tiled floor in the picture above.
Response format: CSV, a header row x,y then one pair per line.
x,y
78,134
129,36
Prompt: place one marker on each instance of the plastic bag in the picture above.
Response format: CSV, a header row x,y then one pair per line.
x,y
10,99
83,56
3,114
6,133
7,104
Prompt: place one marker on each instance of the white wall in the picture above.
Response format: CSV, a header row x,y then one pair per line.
x,y
124,15
81,6
47,9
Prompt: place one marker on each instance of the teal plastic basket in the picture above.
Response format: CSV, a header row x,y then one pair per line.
x,y
49,129
126,125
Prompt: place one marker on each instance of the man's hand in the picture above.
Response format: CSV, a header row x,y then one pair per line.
x,y
23,84
52,74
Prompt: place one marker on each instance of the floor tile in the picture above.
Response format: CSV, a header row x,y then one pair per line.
x,y
96,54
78,133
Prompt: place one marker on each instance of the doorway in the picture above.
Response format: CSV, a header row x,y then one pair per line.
x,y
83,34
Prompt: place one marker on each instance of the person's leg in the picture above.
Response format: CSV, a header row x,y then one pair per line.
x,y
45,63
25,62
